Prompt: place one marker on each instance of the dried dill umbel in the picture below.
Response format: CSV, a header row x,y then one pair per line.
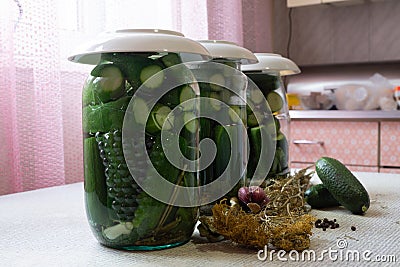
x,y
286,195
282,223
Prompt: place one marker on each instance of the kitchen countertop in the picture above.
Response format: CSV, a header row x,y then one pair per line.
x,y
356,115
48,227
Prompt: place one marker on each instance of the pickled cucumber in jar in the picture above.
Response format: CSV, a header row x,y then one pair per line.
x,y
126,91
120,212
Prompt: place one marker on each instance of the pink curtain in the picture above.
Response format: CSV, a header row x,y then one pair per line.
x,y
40,91
257,20
247,23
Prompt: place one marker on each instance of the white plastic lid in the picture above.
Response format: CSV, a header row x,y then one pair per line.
x,y
229,50
138,40
269,62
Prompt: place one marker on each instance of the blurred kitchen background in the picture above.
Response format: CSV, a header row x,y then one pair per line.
x,y
346,49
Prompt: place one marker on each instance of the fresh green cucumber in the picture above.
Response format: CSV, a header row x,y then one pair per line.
x,y
106,84
107,70
256,96
237,113
160,118
206,131
282,146
266,83
258,150
131,65
171,98
228,63
223,150
224,154
148,214
274,126
191,122
187,93
88,93
148,72
95,182
343,185
255,149
318,196
253,117
252,120
217,81
122,189
140,110
216,105
104,117
275,101
160,161
171,59
150,210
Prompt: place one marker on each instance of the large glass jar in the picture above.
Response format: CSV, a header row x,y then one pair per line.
x,y
267,75
227,84
128,129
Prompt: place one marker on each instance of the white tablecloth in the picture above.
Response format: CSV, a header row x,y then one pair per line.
x,y
48,227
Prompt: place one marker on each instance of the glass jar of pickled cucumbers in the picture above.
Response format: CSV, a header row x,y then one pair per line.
x,y
227,90
131,105
267,75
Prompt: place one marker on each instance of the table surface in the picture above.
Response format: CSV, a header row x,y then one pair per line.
x,y
48,227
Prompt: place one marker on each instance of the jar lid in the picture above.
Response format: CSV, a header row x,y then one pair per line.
x,y
137,40
229,50
269,62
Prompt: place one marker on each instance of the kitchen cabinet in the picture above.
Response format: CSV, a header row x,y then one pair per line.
x,y
297,165
390,170
353,143
390,144
343,2
366,146
297,3
338,33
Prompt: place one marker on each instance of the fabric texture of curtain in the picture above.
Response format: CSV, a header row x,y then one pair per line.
x,y
40,91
